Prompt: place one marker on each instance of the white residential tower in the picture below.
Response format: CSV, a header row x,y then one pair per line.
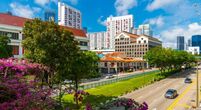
x,y
97,40
69,16
116,25
143,29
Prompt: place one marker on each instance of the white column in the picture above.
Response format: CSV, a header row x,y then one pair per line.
x,y
20,51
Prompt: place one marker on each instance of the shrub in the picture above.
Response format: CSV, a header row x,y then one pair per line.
x,y
128,104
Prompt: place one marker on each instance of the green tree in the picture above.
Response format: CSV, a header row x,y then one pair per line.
x,y
84,66
166,58
53,46
5,49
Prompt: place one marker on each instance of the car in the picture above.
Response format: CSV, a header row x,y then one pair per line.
x,y
109,76
171,94
188,80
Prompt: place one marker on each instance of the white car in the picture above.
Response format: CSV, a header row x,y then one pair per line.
x,y
109,76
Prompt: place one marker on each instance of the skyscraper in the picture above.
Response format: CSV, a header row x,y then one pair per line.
x,y
180,43
50,15
143,29
196,40
115,25
189,42
97,40
69,16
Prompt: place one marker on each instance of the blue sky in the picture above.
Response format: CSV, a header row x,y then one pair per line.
x,y
168,18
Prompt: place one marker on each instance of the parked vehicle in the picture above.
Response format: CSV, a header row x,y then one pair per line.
x,y
109,76
171,94
188,80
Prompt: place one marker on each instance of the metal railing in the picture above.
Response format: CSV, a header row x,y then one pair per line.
x,y
110,81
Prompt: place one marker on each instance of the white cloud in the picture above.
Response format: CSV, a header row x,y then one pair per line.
x,y
122,6
177,11
36,9
158,21
169,36
42,2
157,4
73,2
23,10
101,21
179,19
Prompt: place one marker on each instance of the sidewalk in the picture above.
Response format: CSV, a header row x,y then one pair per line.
x,y
121,75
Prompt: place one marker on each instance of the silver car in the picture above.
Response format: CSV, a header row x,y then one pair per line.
x,y
171,94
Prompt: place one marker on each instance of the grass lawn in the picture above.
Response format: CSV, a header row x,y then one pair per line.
x,y
103,93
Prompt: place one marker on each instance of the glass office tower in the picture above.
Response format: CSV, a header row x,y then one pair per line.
x,y
180,43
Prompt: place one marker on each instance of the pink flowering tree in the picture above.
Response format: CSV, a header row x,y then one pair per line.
x,y
18,93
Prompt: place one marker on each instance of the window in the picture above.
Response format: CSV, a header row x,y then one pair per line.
x,y
82,43
11,35
106,64
145,41
15,50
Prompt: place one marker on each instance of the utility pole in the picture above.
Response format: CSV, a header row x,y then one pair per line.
x,y
198,88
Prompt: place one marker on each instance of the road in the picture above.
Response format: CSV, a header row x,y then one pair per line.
x,y
154,93
119,76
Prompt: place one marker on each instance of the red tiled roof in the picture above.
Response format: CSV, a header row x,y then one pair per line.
x,y
115,54
111,59
76,32
131,35
12,20
20,21
118,57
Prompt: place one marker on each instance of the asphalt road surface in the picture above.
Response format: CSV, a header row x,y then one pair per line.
x,y
154,93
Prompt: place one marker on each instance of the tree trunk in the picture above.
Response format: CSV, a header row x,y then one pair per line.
x,y
60,94
76,90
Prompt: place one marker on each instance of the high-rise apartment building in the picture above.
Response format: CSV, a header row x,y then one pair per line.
x,y
115,25
69,16
196,41
97,40
144,29
50,15
180,43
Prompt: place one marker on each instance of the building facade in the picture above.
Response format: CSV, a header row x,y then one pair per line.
x,y
12,27
69,16
134,45
97,40
103,51
180,43
115,25
118,62
144,29
49,15
194,50
196,41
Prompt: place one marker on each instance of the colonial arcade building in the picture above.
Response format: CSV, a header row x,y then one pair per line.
x,y
118,62
12,27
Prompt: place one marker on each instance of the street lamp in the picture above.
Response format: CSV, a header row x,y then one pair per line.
x,y
198,90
